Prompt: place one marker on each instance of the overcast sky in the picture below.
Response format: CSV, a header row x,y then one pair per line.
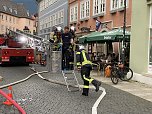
x,y
29,4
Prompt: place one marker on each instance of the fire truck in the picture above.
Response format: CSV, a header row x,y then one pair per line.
x,y
39,44
14,49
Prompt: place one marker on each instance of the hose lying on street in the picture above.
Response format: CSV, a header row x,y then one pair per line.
x,y
94,108
23,80
52,81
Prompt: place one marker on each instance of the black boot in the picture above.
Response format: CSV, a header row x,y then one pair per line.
x,y
96,84
85,91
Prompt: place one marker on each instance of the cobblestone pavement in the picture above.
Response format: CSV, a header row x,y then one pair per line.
x,y
37,96
136,88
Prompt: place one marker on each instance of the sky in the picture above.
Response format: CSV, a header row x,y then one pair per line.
x,y
30,5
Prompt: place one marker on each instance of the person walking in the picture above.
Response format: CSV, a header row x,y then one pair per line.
x,y
85,66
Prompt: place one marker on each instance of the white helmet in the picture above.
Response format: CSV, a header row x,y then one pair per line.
x,y
81,47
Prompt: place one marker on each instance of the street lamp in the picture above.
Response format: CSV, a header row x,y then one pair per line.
x,y
124,34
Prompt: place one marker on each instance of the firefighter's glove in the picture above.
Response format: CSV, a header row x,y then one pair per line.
x,y
79,68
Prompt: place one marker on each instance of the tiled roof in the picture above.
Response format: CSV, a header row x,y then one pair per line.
x,y
12,8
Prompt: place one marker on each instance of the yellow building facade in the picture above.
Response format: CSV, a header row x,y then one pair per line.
x,y
14,16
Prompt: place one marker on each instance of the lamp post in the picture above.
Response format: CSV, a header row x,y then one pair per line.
x,y
124,34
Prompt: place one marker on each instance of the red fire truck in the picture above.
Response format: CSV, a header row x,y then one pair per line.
x,y
13,49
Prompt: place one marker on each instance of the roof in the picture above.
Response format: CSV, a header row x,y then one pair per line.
x,y
15,9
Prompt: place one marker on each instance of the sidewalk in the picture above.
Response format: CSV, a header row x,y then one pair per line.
x,y
136,88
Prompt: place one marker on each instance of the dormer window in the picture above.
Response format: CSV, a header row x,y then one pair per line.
x,y
10,10
28,14
5,8
15,11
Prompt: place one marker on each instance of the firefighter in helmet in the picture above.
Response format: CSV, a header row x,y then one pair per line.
x,y
85,65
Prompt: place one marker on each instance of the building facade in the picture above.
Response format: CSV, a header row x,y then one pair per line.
x,y
141,38
84,13
14,16
52,13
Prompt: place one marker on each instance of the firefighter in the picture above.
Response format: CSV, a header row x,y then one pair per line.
x,y
85,65
66,40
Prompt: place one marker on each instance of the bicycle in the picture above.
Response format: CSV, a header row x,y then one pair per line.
x,y
119,71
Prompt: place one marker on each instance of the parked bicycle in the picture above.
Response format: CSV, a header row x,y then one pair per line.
x,y
119,71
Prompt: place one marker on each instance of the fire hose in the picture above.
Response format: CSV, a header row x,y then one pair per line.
x,y
13,102
14,83
94,108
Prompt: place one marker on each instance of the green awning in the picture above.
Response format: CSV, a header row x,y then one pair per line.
x,y
114,35
85,38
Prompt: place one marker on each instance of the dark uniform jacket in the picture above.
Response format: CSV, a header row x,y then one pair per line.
x,y
83,58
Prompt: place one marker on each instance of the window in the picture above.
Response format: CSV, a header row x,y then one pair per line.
x,y
15,12
59,14
2,17
41,24
116,4
98,6
28,14
71,14
82,11
5,8
51,21
10,19
29,22
74,13
2,27
56,18
85,9
13,28
50,2
47,22
6,17
46,3
62,16
42,4
10,10
122,3
14,20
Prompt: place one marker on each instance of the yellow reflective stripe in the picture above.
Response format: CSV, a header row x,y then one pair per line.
x,y
89,80
77,52
78,63
71,63
85,59
85,86
84,56
86,62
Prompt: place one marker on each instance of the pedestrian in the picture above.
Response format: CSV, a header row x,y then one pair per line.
x,y
67,41
85,65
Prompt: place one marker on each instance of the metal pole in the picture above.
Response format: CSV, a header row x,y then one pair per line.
x,y
124,29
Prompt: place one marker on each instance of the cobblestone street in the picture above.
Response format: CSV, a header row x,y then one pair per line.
x,y
37,96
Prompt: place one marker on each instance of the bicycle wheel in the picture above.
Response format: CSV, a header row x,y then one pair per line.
x,y
114,77
125,73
